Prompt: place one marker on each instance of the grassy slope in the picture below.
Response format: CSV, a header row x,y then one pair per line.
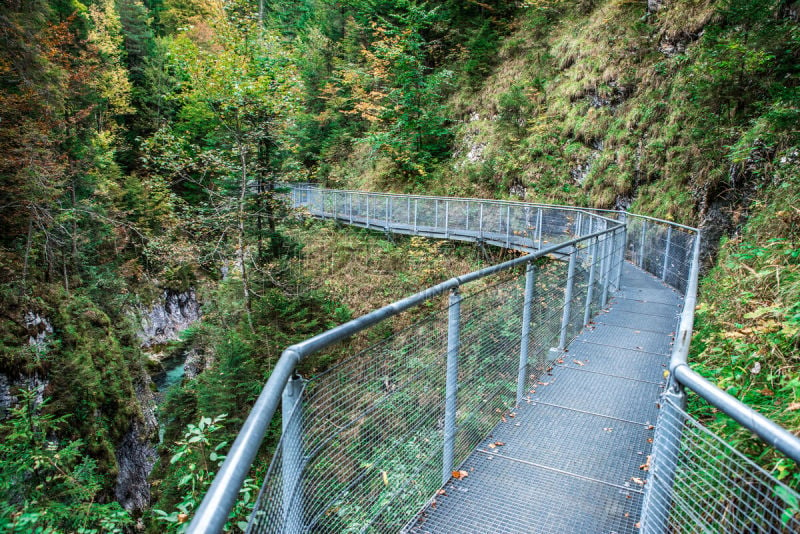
x,y
688,114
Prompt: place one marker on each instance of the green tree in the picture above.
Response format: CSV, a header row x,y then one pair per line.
x,y
48,485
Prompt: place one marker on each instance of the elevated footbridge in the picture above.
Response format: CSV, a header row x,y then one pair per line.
x,y
543,394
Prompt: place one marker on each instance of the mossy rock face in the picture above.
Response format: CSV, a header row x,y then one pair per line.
x,y
91,379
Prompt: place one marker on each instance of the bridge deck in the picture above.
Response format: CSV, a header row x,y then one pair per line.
x,y
571,457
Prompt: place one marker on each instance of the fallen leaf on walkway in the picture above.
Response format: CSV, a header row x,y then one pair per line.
x,y
543,383
503,418
440,491
458,475
385,478
627,514
649,440
649,427
638,525
608,429
578,362
646,466
638,481
560,360
498,443
512,414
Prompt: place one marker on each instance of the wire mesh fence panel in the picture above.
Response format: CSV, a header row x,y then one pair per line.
x,y
279,504
491,323
374,431
373,426
660,249
367,450
714,487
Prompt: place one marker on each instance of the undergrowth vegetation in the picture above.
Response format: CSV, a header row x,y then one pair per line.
x,y
747,336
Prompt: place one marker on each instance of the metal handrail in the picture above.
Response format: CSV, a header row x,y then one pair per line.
x,y
519,203
772,433
220,499
221,496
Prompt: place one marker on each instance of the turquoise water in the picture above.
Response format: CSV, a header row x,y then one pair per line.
x,y
173,373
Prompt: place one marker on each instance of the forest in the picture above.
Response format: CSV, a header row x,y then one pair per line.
x,y
141,147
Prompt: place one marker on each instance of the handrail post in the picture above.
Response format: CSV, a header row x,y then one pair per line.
x,y
665,455
387,213
446,219
530,283
539,227
292,450
508,226
606,270
436,214
367,210
480,222
623,248
580,223
666,254
641,244
562,342
590,290
451,388
408,211
416,206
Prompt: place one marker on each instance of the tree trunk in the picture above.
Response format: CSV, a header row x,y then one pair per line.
x,y
241,227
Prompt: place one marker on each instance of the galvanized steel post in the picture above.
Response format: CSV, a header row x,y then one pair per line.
x,y
590,290
623,248
451,388
665,455
641,243
367,210
562,342
292,451
666,253
605,273
508,226
446,218
415,215
480,223
387,213
539,227
530,283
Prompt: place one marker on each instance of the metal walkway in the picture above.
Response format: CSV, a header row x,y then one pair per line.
x,y
518,402
571,458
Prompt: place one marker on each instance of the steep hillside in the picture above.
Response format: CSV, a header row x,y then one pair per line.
x,y
678,109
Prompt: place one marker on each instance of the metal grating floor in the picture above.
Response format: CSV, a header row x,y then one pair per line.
x,y
570,458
